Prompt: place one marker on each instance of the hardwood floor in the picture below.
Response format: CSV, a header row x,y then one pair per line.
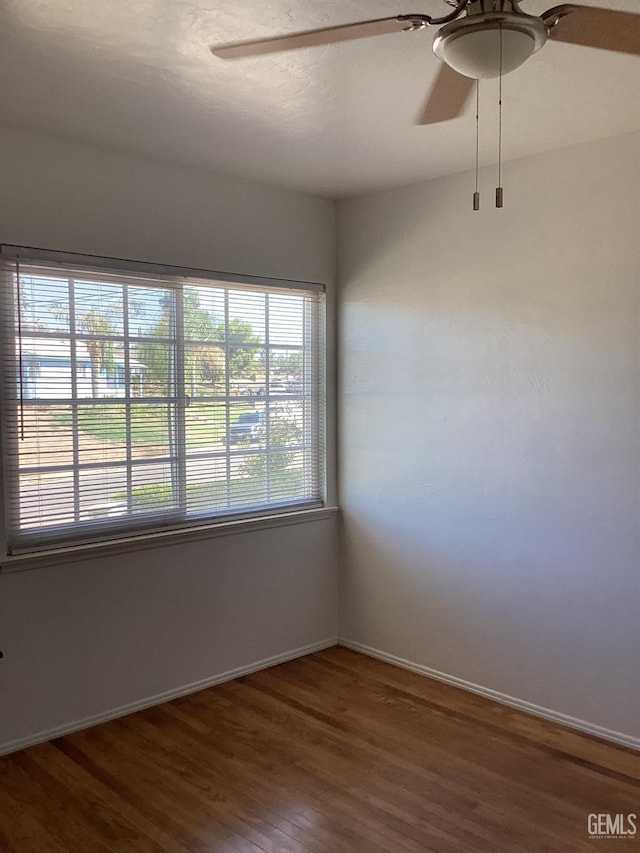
x,y
332,753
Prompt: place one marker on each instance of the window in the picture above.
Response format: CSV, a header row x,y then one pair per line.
x,y
136,399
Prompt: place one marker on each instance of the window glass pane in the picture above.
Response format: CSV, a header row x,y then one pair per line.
x,y
204,370
44,303
286,319
152,426
114,431
152,368
46,500
205,426
246,369
203,318
150,312
102,493
287,476
247,424
285,370
101,433
47,368
47,441
98,366
153,488
247,317
98,308
208,480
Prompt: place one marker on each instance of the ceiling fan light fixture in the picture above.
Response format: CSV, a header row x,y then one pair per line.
x,y
471,46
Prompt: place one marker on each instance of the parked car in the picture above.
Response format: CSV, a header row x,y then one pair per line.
x,y
250,426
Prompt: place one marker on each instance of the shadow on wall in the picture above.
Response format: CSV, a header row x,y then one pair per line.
x,y
487,436
450,589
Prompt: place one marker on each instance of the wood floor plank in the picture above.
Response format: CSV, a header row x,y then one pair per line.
x,y
209,784
335,824
472,706
327,767
75,781
236,775
141,776
40,799
20,830
377,790
467,739
364,775
331,753
329,787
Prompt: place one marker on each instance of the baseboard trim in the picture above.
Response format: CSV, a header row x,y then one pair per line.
x,y
502,698
159,698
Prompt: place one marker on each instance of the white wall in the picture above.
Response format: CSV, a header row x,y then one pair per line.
x,y
489,461
82,639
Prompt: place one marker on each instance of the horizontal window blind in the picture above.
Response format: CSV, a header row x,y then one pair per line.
x,y
140,401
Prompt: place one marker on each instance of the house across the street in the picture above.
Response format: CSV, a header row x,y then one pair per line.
x,y
47,371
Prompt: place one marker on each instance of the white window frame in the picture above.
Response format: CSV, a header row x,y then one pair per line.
x,y
186,529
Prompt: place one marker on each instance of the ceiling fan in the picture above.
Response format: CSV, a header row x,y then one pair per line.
x,y
478,39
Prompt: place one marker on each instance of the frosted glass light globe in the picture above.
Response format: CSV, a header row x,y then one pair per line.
x,y
471,45
477,54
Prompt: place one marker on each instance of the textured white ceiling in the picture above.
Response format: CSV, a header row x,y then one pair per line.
x,y
136,76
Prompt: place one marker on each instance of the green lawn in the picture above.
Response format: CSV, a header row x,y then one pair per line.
x,y
204,424
148,425
213,495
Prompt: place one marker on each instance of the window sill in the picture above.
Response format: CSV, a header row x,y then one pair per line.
x,y
58,556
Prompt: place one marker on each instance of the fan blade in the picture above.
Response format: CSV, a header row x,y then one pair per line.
x,y
312,38
447,98
592,26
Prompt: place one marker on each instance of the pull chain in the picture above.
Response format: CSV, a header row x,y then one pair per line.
x,y
499,187
476,195
20,360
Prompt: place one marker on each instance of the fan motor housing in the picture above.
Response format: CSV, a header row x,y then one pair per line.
x,y
477,7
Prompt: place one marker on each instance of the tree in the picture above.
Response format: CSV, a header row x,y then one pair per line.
x,y
242,359
288,362
205,340
197,322
211,364
203,364
91,322
155,356
100,351
283,434
201,361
